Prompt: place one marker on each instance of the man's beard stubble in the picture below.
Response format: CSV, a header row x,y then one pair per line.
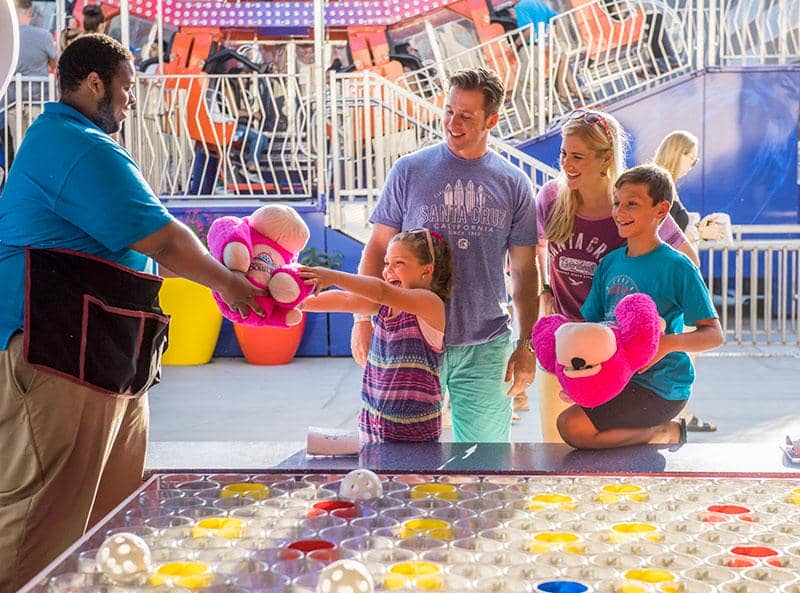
x,y
104,117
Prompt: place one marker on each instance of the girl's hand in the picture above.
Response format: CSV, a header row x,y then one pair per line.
x,y
320,278
547,305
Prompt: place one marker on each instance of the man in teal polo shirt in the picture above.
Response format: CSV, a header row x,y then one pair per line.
x,y
70,453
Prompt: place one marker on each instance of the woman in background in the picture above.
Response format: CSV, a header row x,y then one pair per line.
x,y
678,154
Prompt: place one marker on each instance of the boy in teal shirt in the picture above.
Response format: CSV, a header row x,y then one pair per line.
x,y
644,411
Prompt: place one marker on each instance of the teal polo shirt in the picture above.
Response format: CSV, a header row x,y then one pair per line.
x,y
71,186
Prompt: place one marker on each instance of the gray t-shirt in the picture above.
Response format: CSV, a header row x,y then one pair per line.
x,y
36,47
481,207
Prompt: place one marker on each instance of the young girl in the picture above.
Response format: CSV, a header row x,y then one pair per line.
x,y
400,393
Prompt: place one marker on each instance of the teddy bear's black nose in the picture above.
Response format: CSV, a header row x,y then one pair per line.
x,y
578,363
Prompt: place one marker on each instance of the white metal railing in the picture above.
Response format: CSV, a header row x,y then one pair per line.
x,y
224,135
755,284
520,62
759,32
374,122
606,49
22,103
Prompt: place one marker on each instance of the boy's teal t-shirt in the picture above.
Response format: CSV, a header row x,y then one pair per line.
x,y
680,295
71,187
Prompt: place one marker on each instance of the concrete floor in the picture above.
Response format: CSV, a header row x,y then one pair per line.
x,y
750,398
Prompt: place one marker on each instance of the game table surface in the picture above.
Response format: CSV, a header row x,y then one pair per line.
x,y
715,462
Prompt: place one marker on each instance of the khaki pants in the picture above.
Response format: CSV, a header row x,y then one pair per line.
x,y
68,456
550,404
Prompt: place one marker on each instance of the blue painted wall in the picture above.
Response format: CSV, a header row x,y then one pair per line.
x,y
325,334
747,123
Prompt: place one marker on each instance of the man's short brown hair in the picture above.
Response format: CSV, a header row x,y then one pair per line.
x,y
486,81
659,183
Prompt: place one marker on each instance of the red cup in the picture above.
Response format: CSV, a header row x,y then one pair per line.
x,y
728,509
754,551
344,509
307,546
325,555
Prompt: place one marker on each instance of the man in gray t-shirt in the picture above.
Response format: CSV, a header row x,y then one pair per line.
x,y
484,207
37,56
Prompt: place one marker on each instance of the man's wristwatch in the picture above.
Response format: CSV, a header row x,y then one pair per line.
x,y
524,343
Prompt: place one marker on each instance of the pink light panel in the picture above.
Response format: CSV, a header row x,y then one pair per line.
x,y
185,13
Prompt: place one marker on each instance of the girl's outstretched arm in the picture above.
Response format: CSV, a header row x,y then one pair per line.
x,y
339,301
421,302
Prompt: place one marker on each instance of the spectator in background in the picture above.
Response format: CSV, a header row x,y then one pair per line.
x,y
37,56
69,34
529,12
93,19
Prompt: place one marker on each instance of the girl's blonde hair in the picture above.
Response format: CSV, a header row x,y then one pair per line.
x,y
672,148
596,136
442,259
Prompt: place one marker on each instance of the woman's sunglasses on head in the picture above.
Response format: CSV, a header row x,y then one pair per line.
x,y
592,117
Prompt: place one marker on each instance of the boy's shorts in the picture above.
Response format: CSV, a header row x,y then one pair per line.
x,y
635,407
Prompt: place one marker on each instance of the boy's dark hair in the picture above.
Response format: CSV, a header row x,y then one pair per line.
x,y
486,81
417,241
659,183
90,53
23,4
92,18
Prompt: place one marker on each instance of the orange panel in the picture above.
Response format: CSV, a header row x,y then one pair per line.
x,y
603,34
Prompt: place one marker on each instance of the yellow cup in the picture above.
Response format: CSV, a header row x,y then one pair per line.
x,y
624,587
218,527
794,496
192,575
435,490
248,489
556,540
650,575
429,527
543,501
612,493
625,532
424,575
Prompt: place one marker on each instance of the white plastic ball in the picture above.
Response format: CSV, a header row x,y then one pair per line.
x,y
345,576
360,484
124,558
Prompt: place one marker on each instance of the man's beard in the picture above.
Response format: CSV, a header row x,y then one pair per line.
x,y
104,118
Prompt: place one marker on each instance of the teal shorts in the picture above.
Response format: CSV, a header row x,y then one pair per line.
x,y
474,376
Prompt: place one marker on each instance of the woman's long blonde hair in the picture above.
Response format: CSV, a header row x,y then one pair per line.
x,y
562,220
672,148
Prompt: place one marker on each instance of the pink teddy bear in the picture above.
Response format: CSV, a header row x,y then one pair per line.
x,y
264,246
594,361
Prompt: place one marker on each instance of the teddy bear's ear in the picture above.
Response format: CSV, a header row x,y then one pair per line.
x,y
639,328
543,337
227,230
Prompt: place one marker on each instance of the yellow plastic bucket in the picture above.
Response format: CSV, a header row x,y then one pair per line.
x,y
195,322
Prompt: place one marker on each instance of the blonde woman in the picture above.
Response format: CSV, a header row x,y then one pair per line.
x,y
576,230
678,154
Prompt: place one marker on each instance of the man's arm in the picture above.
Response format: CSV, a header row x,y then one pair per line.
x,y
176,247
371,265
525,300
546,302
